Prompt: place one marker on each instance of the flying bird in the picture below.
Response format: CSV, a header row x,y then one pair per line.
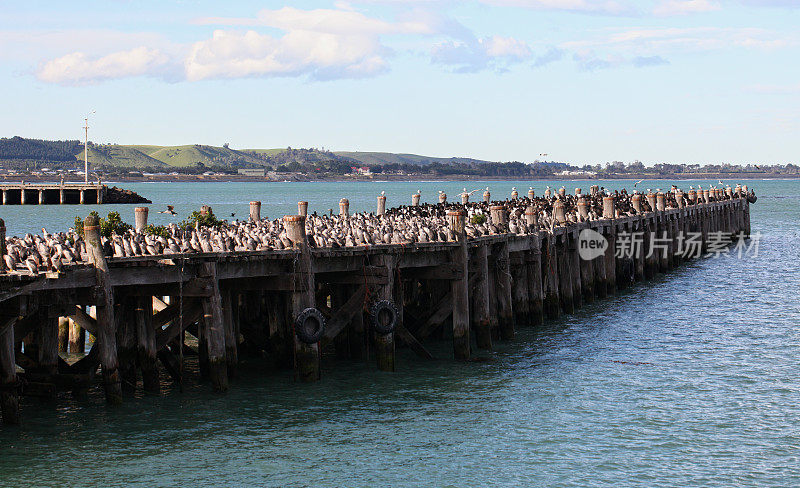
x,y
170,210
637,183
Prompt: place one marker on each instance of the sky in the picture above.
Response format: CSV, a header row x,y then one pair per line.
x,y
580,81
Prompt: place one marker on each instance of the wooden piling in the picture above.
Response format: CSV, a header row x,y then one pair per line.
x,y
384,343
550,273
481,318
63,334
520,302
459,287
564,264
9,388
214,329
381,210
302,208
502,280
535,289
77,338
306,356
231,335
140,218
106,322
146,344
255,211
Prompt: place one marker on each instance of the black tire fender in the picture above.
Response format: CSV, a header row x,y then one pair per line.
x,y
383,317
309,326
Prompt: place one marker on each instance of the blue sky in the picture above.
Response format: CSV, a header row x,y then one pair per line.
x,y
584,81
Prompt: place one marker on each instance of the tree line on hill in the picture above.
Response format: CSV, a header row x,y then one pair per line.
x,y
18,153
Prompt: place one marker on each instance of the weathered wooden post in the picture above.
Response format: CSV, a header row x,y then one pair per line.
x,y
600,277
481,316
535,290
214,329
574,259
502,280
594,190
583,209
660,202
231,335
514,194
562,192
498,215
307,361
255,211
442,197
564,264
519,288
636,203
384,343
415,199
459,287
578,192
531,194
344,208
464,197
302,208
63,334
609,212
487,196
559,214
381,205
551,302
9,394
140,218
146,344
651,200
77,337
548,193
106,323
586,270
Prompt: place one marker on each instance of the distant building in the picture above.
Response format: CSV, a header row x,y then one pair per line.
x,y
364,170
252,172
577,173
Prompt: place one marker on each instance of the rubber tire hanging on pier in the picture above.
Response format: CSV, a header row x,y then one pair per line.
x,y
377,310
309,326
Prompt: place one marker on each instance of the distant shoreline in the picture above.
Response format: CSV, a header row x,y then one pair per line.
x,y
410,178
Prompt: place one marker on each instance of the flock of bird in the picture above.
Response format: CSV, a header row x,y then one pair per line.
x,y
35,253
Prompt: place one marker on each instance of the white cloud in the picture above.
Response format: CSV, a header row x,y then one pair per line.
x,y
78,68
328,21
683,7
473,55
321,55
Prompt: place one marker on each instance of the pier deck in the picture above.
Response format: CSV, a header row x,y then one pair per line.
x,y
359,303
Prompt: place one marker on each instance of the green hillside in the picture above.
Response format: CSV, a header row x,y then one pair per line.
x,y
20,151
114,155
373,158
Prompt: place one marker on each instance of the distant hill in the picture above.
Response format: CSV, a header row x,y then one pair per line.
x,y
373,158
17,151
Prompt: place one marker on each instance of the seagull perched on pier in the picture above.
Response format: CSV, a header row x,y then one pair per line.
x,y
170,210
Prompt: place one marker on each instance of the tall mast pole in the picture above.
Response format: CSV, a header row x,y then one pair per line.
x,y
86,153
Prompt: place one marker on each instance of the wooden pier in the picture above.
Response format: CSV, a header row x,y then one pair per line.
x,y
65,194
300,305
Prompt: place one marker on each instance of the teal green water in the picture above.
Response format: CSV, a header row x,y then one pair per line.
x,y
689,380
